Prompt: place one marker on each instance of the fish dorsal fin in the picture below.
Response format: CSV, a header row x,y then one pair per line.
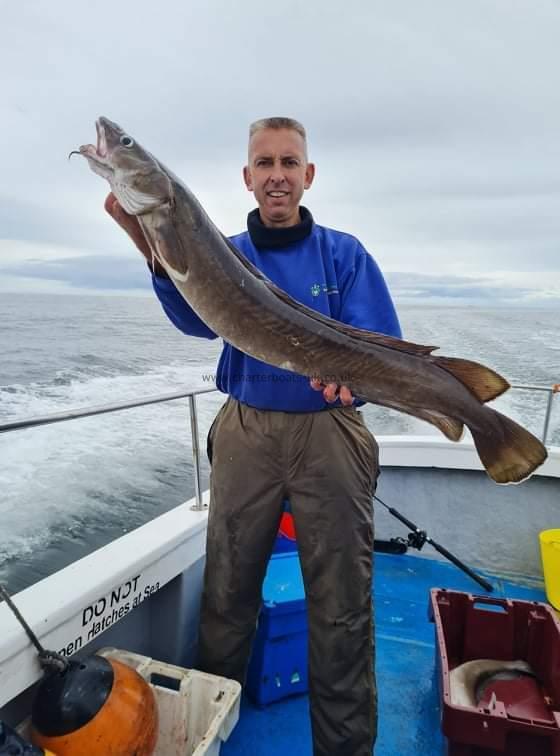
x,y
382,339
359,334
370,337
483,382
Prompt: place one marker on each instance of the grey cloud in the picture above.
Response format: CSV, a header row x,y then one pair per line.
x,y
462,289
21,218
100,272
87,272
434,125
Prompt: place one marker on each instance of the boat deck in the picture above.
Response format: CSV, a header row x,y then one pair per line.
x,y
405,668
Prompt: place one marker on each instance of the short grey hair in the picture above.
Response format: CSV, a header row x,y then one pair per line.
x,y
278,122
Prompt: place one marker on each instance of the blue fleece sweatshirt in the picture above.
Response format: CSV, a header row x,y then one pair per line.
x,y
327,270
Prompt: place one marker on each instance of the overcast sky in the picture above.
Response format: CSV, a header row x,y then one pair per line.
x,y
435,128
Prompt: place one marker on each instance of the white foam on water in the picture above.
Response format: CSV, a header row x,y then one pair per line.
x,y
62,475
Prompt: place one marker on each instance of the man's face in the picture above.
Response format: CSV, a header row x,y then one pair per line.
x,y
277,174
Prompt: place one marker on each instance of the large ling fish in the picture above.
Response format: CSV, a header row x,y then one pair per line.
x,y
248,311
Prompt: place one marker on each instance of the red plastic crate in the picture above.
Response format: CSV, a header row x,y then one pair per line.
x,y
472,627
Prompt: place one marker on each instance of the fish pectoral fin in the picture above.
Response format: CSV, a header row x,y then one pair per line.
x,y
166,243
483,382
451,428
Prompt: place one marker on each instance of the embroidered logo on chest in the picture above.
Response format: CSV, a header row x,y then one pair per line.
x,y
317,289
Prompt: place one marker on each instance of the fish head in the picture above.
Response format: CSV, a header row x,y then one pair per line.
x,y
137,180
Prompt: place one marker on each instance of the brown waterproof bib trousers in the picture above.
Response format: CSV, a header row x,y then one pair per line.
x,y
326,464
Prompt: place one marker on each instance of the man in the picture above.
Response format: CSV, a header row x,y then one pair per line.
x,y
281,436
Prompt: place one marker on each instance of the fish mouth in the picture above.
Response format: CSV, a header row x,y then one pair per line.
x,y
99,152
96,153
101,139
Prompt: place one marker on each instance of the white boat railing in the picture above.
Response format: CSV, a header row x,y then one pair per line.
x,y
58,417
551,391
75,414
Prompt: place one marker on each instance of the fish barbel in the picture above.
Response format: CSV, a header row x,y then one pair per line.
x,y
249,312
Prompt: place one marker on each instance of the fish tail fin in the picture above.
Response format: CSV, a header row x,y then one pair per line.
x,y
483,382
510,454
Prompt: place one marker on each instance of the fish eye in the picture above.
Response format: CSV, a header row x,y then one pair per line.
x,y
126,141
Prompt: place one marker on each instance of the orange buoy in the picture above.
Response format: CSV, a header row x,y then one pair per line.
x,y
96,707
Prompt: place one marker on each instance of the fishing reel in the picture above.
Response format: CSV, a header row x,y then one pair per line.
x,y
417,539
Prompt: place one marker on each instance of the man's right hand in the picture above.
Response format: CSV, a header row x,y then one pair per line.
x,y
130,224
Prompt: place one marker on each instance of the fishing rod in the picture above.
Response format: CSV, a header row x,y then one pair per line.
x,y
417,538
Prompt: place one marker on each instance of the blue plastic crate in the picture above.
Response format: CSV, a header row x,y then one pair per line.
x,y
282,544
278,666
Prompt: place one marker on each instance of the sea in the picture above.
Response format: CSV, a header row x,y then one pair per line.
x,y
69,488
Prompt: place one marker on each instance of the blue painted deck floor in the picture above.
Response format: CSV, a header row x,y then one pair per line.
x,y
408,700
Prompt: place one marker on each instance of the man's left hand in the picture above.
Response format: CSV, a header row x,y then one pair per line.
x,y
332,392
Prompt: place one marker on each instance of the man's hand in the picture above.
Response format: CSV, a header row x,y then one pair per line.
x,y
332,392
130,224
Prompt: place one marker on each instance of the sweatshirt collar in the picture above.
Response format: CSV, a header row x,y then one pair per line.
x,y
274,238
